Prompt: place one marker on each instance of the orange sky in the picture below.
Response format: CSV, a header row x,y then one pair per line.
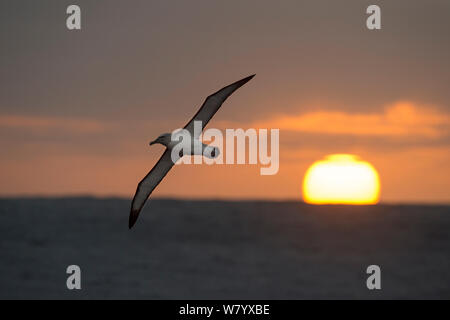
x,y
77,110
413,169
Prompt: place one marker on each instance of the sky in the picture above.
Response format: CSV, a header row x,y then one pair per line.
x,y
78,108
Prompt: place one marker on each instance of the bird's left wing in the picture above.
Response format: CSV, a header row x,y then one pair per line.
x,y
213,103
148,184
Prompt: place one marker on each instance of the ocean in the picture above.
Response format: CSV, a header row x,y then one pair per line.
x,y
182,249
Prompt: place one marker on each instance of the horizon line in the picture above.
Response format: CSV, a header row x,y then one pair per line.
x,y
205,199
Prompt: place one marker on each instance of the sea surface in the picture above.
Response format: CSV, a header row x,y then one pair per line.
x,y
222,250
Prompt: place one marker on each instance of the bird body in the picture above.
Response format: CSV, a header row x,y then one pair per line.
x,y
187,140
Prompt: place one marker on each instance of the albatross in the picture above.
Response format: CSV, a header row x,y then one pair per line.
x,y
165,163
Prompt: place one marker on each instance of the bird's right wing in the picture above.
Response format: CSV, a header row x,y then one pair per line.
x,y
148,184
213,103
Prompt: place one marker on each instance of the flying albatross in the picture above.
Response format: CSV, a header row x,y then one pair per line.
x,y
165,163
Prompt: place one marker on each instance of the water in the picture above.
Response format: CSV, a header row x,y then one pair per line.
x,y
220,250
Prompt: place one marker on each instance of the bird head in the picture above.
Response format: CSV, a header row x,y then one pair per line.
x,y
163,139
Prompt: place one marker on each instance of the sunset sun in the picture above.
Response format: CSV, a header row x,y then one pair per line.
x,y
341,179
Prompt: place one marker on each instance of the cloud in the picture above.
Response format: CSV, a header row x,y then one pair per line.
x,y
46,124
401,119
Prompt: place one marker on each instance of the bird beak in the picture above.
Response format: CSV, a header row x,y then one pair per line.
x,y
153,142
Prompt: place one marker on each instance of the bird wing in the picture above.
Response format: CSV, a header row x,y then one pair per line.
x,y
148,184
213,103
